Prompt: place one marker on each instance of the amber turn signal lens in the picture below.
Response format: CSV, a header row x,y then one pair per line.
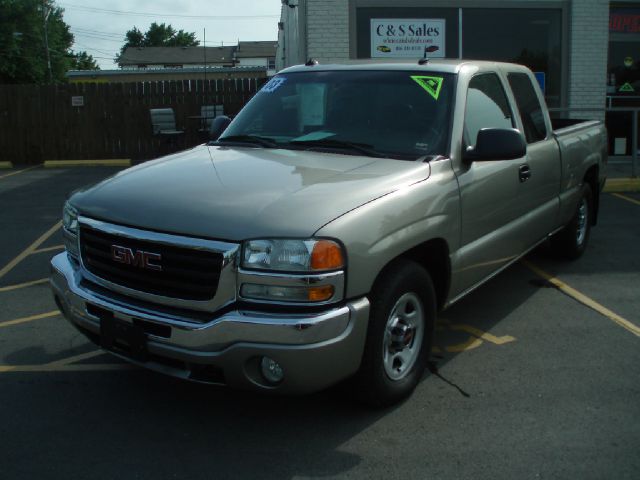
x,y
320,294
326,255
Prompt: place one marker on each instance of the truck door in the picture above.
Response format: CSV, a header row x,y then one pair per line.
x,y
540,183
490,236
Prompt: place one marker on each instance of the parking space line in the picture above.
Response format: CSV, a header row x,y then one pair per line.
x,y
17,172
465,346
580,297
483,335
31,318
30,249
624,197
68,365
17,286
76,358
48,249
83,367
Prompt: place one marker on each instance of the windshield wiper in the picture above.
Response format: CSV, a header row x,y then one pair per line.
x,y
364,148
253,139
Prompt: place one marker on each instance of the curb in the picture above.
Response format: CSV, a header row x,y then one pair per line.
x,y
621,185
117,162
6,165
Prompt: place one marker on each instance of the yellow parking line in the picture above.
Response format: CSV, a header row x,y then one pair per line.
x,y
112,162
30,249
18,321
65,368
17,172
48,249
465,346
624,197
66,365
76,358
483,335
624,323
8,288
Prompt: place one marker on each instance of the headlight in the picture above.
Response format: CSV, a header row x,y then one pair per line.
x,y
292,255
70,230
308,271
70,218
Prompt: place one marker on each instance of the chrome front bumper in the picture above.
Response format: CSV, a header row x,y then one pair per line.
x,y
314,350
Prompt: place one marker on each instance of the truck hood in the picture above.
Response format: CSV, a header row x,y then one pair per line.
x,y
236,193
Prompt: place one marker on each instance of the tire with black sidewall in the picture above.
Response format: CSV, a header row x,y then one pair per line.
x,y
407,286
571,242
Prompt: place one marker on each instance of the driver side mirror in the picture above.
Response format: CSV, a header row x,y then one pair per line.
x,y
218,126
497,144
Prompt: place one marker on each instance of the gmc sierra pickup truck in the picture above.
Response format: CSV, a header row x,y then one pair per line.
x,y
315,238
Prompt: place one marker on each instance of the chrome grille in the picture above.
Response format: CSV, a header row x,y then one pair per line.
x,y
187,273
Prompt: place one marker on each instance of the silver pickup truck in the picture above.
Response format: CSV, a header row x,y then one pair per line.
x,y
317,236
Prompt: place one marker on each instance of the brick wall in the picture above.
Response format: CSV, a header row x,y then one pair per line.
x,y
328,30
588,50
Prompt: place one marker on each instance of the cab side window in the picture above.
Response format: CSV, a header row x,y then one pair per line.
x,y
529,106
487,107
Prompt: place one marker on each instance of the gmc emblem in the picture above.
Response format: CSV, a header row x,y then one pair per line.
x,y
139,258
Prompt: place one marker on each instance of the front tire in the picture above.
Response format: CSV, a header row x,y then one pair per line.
x,y
571,242
399,336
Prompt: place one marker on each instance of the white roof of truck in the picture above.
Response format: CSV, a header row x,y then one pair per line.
x,y
436,65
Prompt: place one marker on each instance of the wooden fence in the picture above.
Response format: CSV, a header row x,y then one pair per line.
x,y
105,121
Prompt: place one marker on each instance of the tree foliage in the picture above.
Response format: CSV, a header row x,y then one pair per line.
x,y
83,61
158,35
23,52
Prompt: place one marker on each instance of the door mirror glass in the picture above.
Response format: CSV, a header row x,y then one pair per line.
x,y
497,144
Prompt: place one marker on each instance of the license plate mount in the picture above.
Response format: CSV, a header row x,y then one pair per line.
x,y
114,331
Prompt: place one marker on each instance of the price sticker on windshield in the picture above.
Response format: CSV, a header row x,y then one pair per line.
x,y
274,84
432,85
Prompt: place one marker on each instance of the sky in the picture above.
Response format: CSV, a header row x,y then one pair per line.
x,y
99,26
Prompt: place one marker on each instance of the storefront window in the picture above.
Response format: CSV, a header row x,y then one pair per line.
x,y
531,37
624,50
623,75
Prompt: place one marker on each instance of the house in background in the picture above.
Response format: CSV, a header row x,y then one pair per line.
x,y
144,64
148,64
176,57
257,54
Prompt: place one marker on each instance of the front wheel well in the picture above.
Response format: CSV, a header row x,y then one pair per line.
x,y
433,256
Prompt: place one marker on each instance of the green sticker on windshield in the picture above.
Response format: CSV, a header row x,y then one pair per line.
x,y
432,85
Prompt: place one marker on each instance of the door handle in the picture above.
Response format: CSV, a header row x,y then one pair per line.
x,y
525,173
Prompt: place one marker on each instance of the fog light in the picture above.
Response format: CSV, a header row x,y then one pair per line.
x,y
271,370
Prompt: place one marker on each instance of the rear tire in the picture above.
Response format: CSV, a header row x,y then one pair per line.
x,y
399,336
571,241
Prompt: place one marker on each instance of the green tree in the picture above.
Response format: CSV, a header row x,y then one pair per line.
x,y
34,35
83,61
158,35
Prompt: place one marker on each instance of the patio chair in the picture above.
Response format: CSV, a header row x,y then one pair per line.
x,y
163,122
208,113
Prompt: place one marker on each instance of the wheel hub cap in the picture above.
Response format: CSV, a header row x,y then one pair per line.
x,y
581,231
403,336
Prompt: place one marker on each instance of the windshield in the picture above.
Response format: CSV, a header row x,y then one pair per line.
x,y
379,113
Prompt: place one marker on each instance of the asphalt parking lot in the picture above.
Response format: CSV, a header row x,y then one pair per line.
x,y
535,375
